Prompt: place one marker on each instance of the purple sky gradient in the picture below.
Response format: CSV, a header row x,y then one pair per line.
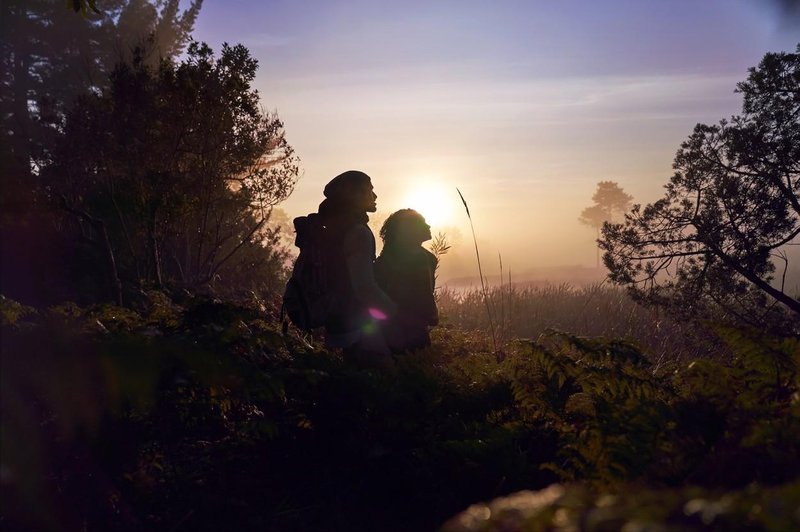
x,y
524,106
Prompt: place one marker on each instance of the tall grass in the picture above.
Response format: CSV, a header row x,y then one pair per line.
x,y
594,310
484,291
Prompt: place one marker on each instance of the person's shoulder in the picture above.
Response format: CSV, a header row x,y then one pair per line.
x,y
430,257
360,231
358,236
420,258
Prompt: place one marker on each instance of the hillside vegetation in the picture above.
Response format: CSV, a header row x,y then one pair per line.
x,y
191,413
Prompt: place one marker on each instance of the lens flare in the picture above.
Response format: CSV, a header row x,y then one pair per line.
x,y
377,314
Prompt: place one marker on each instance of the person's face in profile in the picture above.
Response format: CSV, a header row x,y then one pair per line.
x,y
415,231
366,198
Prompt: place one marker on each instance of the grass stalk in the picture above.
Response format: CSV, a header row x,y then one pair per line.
x,y
502,329
480,273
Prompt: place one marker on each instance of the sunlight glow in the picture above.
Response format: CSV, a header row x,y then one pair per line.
x,y
432,200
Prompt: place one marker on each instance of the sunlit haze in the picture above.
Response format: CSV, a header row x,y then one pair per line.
x,y
524,106
432,198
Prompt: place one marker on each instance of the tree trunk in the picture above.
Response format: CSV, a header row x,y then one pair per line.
x,y
21,121
597,246
115,284
152,244
215,267
790,302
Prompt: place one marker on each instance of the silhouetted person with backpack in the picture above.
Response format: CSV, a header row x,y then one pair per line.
x,y
406,272
333,283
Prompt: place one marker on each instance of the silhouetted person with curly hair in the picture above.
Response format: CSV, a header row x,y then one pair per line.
x,y
406,273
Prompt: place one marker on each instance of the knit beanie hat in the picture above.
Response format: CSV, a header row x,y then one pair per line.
x,y
340,187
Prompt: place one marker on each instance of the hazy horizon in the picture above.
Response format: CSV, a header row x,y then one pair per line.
x,y
522,106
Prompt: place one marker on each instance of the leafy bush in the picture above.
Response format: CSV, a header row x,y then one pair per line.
x,y
573,507
202,414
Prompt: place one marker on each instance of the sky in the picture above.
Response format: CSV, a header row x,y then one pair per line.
x,y
522,105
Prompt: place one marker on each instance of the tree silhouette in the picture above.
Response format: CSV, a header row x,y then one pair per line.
x,y
610,201
49,56
172,172
710,246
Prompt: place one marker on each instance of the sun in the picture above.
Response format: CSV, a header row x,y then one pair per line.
x,y
433,201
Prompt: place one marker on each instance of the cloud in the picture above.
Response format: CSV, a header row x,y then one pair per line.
x,y
496,101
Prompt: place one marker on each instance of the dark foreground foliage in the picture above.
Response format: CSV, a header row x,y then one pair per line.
x,y
199,415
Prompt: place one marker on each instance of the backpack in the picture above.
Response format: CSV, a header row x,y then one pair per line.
x,y
309,298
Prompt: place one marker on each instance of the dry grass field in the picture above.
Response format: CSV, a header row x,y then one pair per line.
x,y
591,310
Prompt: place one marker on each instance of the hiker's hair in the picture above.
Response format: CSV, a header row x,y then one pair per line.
x,y
391,226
